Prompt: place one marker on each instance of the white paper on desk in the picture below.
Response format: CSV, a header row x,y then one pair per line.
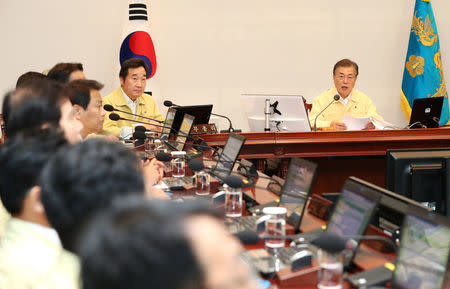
x,y
355,123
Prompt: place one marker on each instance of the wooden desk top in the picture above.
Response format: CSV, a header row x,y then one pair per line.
x,y
334,143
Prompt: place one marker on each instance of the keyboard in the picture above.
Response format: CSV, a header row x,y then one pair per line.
x,y
246,223
178,183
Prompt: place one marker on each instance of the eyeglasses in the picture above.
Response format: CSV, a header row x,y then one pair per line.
x,y
349,77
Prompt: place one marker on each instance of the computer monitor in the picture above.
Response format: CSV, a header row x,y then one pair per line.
x,y
423,254
228,156
353,212
391,209
200,112
167,126
185,129
288,112
296,189
426,112
420,174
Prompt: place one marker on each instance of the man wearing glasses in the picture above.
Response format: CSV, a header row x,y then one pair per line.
x,y
351,101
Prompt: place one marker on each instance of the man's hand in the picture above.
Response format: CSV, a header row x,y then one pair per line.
x,y
153,172
336,125
153,126
156,193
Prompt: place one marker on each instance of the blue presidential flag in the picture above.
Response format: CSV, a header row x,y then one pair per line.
x,y
423,75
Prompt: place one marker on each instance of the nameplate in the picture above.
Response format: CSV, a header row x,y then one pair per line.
x,y
203,129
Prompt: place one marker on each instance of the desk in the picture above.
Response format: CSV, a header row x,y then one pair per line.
x,y
338,154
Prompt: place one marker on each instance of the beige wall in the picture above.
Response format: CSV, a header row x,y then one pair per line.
x,y
211,51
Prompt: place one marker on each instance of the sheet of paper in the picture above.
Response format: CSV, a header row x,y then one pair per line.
x,y
382,124
355,123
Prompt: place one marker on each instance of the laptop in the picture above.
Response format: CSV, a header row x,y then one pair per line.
x,y
426,112
422,257
223,167
228,157
424,252
351,216
179,143
293,196
167,126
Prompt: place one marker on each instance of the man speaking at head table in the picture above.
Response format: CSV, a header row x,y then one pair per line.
x,y
130,97
350,102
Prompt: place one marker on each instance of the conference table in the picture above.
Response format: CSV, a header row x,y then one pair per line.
x,y
339,154
314,217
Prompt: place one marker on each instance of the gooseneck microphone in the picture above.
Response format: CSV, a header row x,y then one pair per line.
x,y
110,108
168,103
116,117
335,98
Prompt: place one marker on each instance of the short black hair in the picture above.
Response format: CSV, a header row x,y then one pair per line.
x,y
83,179
79,91
27,76
22,159
32,106
131,63
346,63
5,108
139,244
61,71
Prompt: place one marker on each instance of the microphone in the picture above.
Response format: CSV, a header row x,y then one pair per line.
x,y
168,103
163,157
196,165
335,98
111,108
234,182
116,117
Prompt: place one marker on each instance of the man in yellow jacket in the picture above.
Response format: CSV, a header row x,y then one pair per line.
x,y
130,97
351,101
31,254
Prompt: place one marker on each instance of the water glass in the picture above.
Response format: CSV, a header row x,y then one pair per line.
x,y
233,202
202,183
178,164
330,269
275,226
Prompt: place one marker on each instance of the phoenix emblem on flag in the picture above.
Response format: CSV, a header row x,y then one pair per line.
x,y
424,30
415,65
442,90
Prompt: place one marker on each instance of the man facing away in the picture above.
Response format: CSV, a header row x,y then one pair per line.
x,y
139,244
130,97
351,101
31,255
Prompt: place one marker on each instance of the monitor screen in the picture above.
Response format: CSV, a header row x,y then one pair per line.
x,y
288,112
353,211
419,174
167,127
200,112
424,251
229,155
185,129
296,189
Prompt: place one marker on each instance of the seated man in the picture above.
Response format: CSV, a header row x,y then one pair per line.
x,y
83,179
31,255
87,105
137,244
66,72
130,97
351,101
39,104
